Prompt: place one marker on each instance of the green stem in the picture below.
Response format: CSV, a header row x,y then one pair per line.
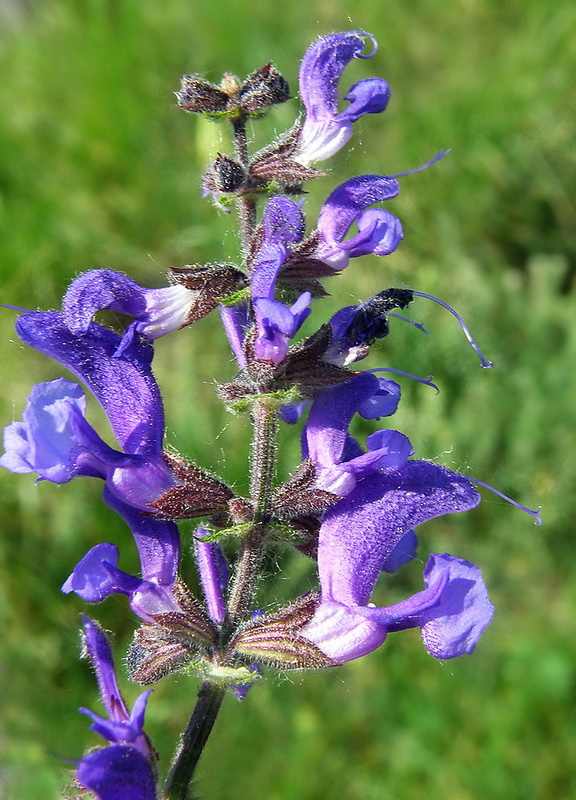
x,y
210,696
265,424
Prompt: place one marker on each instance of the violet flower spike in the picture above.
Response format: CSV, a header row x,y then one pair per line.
x,y
126,769
325,130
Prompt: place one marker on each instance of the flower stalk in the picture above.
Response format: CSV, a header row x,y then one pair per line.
x,y
209,701
265,427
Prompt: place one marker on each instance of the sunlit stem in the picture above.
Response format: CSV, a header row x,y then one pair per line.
x,y
486,364
265,426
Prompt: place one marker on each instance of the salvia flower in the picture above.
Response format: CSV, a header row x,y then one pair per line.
x,y
452,612
277,323
384,497
379,231
54,439
194,293
338,458
125,770
325,129
97,575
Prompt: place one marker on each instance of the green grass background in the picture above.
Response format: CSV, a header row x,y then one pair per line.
x,y
99,169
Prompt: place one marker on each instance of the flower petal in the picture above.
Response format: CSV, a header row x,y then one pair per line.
x,y
326,431
124,386
344,205
158,541
325,130
118,772
213,570
96,576
100,655
360,532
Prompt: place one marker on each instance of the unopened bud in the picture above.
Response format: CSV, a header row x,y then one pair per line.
x,y
264,87
201,97
223,176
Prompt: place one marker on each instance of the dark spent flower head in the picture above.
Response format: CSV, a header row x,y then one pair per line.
x,y
355,328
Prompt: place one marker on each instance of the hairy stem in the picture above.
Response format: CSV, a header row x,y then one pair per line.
x,y
210,696
265,426
246,202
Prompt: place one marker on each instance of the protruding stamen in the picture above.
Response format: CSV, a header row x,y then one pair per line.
x,y
436,158
411,321
535,514
486,364
407,375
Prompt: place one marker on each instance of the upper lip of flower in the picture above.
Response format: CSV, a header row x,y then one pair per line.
x,y
325,130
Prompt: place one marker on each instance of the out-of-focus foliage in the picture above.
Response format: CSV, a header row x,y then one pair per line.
x,y
99,169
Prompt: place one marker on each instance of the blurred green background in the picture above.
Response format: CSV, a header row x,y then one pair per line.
x,y
99,169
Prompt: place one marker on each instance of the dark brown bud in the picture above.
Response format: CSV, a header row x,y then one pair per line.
x,y
275,162
241,510
264,87
222,176
212,282
200,96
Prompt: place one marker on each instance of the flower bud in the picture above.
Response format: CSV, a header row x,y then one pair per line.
x,y
264,87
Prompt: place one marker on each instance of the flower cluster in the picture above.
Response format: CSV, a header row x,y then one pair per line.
x,y
352,510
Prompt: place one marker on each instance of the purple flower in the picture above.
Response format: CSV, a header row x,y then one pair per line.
x,y
118,772
339,459
54,439
213,570
385,496
452,612
379,231
97,575
325,130
283,223
157,311
125,770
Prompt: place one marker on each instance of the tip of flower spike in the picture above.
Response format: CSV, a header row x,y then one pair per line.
x,y
533,513
483,361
